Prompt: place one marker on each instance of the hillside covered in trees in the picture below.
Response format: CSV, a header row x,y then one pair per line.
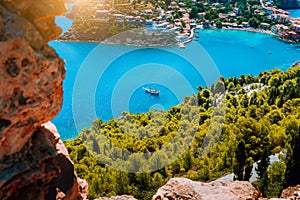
x,y
222,129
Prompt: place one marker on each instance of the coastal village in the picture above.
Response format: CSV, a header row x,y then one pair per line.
x,y
181,18
220,122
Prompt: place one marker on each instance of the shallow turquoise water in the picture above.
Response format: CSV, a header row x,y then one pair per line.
x,y
104,80
63,22
294,12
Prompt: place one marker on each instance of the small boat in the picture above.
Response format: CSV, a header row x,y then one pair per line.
x,y
270,52
152,91
181,45
252,47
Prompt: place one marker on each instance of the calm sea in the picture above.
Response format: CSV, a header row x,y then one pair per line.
x,y
294,12
105,80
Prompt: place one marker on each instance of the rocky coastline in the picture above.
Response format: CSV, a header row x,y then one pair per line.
x,y
134,37
143,38
263,32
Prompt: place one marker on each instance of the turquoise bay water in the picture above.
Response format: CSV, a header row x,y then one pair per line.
x,y
64,23
104,80
294,12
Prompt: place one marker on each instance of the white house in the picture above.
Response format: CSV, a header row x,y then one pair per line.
x,y
101,14
245,24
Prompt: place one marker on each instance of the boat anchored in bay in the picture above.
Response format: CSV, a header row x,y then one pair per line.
x,y
151,91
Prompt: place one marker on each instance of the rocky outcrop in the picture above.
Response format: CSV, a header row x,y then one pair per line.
x,y
123,197
84,188
134,37
185,189
41,170
291,193
31,94
142,37
31,73
34,163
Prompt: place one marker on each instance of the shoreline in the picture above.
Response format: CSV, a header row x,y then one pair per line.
x,y
112,43
268,32
251,30
135,37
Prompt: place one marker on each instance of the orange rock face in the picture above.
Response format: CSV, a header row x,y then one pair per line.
x,y
31,73
31,94
34,163
36,18
123,197
39,170
291,193
182,188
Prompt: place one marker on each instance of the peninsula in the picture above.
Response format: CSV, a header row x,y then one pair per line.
x,y
166,23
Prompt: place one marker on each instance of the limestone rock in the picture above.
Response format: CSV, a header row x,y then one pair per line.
x,y
42,169
123,197
31,72
32,93
185,189
291,193
34,163
84,188
36,18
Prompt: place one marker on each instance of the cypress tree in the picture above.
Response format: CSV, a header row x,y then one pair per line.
x,y
262,168
248,170
292,175
240,156
95,146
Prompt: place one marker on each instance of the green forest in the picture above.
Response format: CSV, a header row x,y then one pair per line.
x,y
222,129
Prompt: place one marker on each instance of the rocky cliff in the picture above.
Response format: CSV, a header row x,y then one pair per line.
x,y
182,188
291,193
123,197
185,189
34,163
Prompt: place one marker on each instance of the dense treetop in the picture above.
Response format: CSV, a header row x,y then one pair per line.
x,y
222,129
